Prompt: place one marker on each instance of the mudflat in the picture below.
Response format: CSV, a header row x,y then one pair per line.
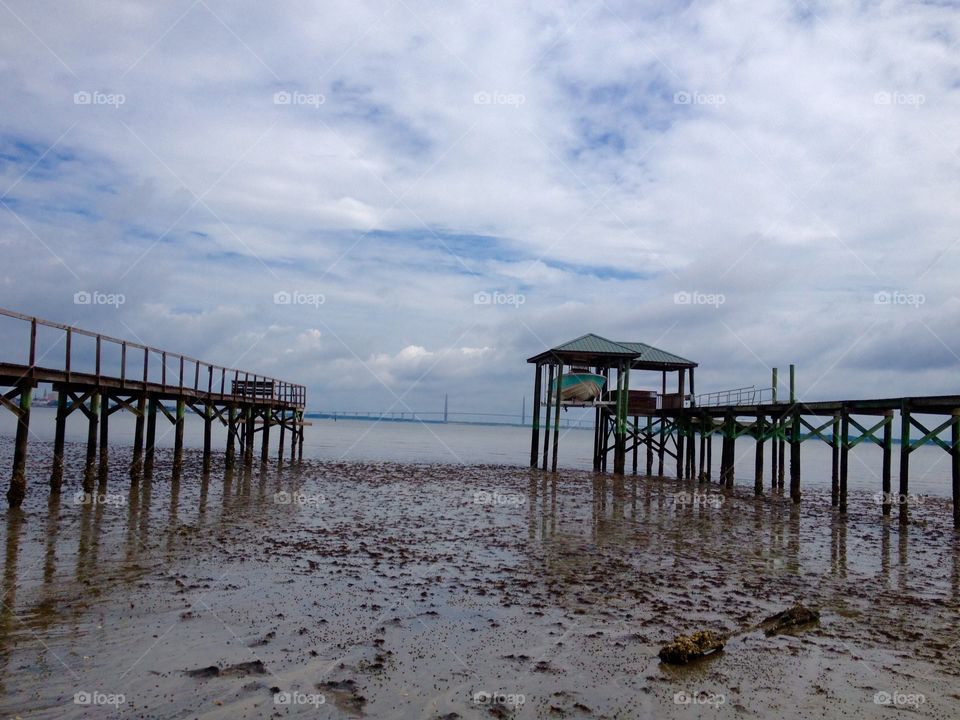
x,y
385,590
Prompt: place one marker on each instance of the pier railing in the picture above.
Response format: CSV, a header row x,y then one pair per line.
x,y
751,395
135,366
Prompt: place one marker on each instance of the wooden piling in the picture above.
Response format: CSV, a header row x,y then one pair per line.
x,y
556,419
774,441
18,479
794,451
150,449
300,438
93,416
955,465
59,440
136,464
649,445
844,457
265,439
231,435
904,516
703,448
207,436
781,468
710,453
248,435
178,438
636,442
546,419
104,459
758,463
835,461
535,419
282,419
887,461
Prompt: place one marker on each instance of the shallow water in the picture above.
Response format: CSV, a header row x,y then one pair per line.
x,y
395,590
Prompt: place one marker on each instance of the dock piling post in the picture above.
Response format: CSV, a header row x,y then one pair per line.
x,y
710,453
703,448
93,417
178,438
56,472
265,440
887,460
546,419
955,466
104,436
844,457
207,436
282,417
18,480
758,464
534,420
151,438
835,461
249,428
904,517
636,442
231,435
556,419
794,450
649,445
136,464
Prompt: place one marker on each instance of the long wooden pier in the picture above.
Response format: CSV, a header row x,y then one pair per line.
x,y
671,426
111,374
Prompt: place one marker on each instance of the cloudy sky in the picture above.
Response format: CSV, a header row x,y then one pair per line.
x,y
744,184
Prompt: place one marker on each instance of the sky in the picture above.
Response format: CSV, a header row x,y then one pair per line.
x,y
393,201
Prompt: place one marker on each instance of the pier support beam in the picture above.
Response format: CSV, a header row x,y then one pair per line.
x,y
758,464
104,459
955,465
151,439
904,516
556,420
207,436
774,441
887,461
18,479
728,452
136,465
231,435
835,461
282,415
265,440
59,437
93,416
546,423
701,477
178,438
248,434
534,420
844,457
649,445
795,455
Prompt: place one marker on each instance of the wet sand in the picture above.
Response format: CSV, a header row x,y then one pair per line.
x,y
418,591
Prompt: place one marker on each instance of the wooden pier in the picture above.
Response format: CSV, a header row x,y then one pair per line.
x,y
671,426
110,374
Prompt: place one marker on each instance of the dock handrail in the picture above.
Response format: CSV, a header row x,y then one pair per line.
x,y
751,395
283,391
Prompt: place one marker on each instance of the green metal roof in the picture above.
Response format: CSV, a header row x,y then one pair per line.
x,y
650,354
593,349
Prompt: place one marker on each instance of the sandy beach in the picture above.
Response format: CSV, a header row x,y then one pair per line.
x,y
389,590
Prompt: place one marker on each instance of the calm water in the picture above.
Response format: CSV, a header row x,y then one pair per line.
x,y
507,445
